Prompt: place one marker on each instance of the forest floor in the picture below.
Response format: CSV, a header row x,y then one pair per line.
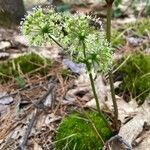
x,y
32,104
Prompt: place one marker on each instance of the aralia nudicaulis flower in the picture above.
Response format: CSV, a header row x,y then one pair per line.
x,y
70,30
77,35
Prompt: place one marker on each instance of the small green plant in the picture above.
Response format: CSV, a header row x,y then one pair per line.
x,y
27,63
136,72
75,34
109,4
82,131
83,43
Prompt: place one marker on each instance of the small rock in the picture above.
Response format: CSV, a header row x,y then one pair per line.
x,y
21,39
4,44
134,41
74,67
4,99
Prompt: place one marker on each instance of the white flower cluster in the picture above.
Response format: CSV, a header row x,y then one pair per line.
x,y
71,31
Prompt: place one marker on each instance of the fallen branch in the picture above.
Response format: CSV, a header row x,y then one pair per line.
x,y
28,131
38,106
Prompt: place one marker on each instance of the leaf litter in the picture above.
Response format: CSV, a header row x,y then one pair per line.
x,y
26,121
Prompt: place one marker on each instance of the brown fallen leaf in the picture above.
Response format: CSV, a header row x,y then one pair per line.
x,y
134,127
37,146
143,142
4,44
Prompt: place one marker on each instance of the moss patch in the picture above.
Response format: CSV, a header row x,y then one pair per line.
x,y
77,133
65,73
139,28
136,75
29,63
118,38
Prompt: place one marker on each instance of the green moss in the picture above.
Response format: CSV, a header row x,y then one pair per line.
x,y
65,73
77,133
29,63
136,75
118,38
140,27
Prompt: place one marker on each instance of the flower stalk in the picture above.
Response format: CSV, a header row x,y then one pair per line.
x,y
93,86
85,44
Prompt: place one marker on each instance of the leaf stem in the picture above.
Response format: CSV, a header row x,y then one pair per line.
x,y
108,24
108,36
56,42
93,85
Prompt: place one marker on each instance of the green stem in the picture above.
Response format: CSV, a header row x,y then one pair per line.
x,y
56,42
93,86
113,98
108,36
108,24
94,93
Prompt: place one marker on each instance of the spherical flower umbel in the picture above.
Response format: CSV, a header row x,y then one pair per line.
x,y
99,52
38,26
71,31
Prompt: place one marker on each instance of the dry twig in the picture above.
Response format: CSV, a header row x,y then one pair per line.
x,y
38,106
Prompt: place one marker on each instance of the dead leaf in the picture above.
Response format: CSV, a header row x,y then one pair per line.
x,y
4,44
134,127
48,100
124,109
144,142
73,93
101,88
37,146
51,118
4,99
3,109
21,39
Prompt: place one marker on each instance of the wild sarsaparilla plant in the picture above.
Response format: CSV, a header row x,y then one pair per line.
x,y
75,34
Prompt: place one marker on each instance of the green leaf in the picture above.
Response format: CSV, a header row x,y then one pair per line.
x,y
117,2
63,8
117,12
148,7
